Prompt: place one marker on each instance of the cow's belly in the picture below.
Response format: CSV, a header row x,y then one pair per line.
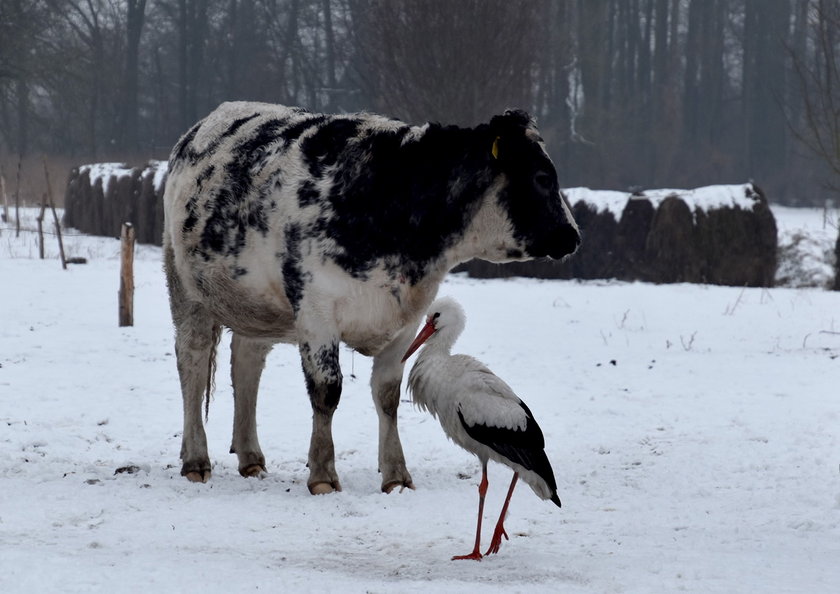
x,y
253,305
370,315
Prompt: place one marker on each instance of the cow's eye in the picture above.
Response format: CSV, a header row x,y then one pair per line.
x,y
543,181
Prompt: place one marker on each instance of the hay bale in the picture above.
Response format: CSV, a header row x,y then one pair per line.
x,y
72,198
100,197
631,239
84,201
837,264
596,257
671,252
120,202
738,245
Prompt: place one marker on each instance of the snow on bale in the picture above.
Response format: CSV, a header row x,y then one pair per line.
x,y
723,234
100,197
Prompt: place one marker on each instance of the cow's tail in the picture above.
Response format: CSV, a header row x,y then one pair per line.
x,y
211,369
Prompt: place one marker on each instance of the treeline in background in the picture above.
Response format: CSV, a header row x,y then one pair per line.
x,y
629,94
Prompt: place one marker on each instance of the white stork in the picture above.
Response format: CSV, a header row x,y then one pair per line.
x,y
478,411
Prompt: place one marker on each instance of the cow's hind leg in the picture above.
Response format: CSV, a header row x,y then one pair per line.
x,y
196,337
385,385
247,362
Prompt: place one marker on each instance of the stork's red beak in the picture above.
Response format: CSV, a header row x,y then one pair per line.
x,y
422,337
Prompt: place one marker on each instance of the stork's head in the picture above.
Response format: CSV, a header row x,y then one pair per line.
x,y
444,324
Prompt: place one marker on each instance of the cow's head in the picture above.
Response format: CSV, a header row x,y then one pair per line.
x,y
530,195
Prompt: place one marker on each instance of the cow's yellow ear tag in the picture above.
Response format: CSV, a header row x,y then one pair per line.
x,y
495,150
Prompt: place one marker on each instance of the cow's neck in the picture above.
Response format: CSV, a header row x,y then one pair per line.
x,y
489,233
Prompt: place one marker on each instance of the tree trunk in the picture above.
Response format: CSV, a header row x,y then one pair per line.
x,y
128,133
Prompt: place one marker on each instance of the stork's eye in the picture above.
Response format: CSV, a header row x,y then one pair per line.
x,y
436,316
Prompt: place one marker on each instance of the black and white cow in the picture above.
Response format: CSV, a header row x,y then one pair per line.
x,y
289,226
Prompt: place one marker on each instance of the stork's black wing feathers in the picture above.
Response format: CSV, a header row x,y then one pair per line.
x,y
526,448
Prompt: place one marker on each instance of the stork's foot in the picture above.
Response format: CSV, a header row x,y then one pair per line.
x,y
474,556
496,541
403,485
324,488
196,472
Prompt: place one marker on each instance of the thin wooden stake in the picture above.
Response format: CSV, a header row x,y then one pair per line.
x,y
40,221
17,199
55,218
5,197
126,295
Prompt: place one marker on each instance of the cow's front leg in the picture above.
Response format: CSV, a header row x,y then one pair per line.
x,y
321,369
247,362
385,384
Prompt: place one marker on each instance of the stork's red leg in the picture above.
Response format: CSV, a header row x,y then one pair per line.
x,y
482,491
496,542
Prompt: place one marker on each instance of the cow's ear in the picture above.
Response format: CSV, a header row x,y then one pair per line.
x,y
494,150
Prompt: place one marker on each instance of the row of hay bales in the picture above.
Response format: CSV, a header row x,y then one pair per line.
x,y
101,197
723,235
718,234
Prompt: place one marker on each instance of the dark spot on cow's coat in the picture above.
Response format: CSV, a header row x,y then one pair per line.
x,y
293,132
308,194
322,149
204,176
185,151
325,391
332,394
233,210
326,358
192,214
293,280
180,151
410,200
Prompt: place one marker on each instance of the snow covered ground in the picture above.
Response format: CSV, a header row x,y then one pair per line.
x,y
694,431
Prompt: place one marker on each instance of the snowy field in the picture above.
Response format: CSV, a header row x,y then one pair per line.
x,y
694,431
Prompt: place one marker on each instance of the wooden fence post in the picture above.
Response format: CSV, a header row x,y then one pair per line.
x,y
5,197
55,217
40,221
126,295
17,199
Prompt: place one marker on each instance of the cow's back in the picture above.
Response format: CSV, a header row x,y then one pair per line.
x,y
225,213
245,207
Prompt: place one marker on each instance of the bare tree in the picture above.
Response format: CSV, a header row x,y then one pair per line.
x,y
127,134
449,61
819,84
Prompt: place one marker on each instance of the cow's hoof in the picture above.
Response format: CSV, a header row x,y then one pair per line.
x,y
198,476
252,470
390,486
324,488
